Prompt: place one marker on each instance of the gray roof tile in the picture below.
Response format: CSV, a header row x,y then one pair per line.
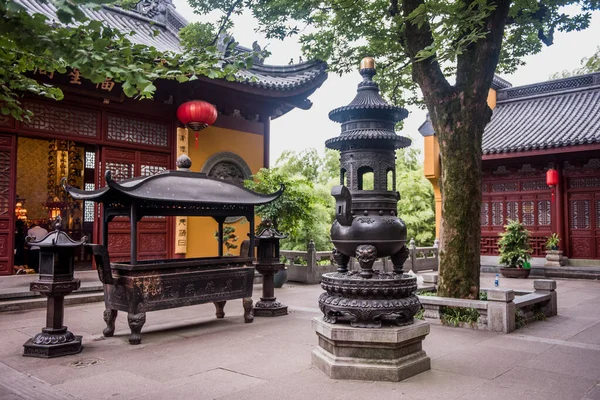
x,y
549,114
268,77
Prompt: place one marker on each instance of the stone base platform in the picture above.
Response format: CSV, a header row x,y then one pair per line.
x,y
31,349
390,353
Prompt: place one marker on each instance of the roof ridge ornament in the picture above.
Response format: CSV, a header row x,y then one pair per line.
x,y
154,9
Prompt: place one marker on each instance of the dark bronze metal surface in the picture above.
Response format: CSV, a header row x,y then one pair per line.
x,y
137,287
55,282
366,225
267,264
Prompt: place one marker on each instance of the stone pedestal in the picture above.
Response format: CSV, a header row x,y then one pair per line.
x,y
554,258
381,354
268,306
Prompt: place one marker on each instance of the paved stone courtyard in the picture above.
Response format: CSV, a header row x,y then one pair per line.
x,y
187,353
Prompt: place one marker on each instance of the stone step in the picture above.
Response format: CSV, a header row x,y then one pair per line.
x,y
40,302
570,272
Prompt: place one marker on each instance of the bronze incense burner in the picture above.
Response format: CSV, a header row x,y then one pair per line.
x,y
366,225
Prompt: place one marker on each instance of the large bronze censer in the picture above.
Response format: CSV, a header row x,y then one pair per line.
x,y
366,225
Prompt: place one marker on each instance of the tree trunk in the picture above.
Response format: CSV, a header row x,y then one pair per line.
x,y
459,124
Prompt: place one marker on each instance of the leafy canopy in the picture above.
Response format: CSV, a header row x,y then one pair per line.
x,y
344,31
306,210
32,42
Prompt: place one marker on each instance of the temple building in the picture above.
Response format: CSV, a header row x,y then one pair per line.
x,y
96,128
553,124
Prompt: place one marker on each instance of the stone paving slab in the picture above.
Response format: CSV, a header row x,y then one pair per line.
x,y
188,353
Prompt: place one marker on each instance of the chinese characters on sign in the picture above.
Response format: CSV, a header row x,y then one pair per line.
x,y
181,224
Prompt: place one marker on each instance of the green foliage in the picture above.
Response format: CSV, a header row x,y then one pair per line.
x,y
457,316
483,296
588,65
309,164
299,212
344,31
419,43
427,294
514,245
197,35
420,314
417,205
552,241
30,42
229,238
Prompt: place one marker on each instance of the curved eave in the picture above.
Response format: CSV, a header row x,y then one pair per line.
x,y
97,195
345,113
338,142
271,88
183,188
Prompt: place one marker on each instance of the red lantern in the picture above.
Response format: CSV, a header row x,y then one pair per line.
x,y
197,115
552,177
552,180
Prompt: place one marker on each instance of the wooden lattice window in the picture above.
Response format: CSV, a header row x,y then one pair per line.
x,y
88,206
504,187
148,170
528,210
133,130
4,182
597,214
120,171
63,120
485,214
512,211
584,182
497,215
580,214
544,213
534,186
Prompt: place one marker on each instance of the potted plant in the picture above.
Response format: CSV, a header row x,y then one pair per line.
x,y
515,250
554,256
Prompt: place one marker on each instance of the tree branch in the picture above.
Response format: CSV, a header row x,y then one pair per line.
x,y
225,20
477,64
426,73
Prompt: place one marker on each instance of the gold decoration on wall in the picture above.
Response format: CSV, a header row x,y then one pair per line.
x,y
181,222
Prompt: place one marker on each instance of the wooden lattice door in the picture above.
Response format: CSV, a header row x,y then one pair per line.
x,y
584,224
7,199
154,233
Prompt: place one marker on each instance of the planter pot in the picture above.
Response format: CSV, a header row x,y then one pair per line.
x,y
554,258
515,272
280,278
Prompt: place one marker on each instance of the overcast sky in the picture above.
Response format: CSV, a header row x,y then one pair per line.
x,y
301,129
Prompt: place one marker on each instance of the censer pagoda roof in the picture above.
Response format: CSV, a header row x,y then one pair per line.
x,y
177,188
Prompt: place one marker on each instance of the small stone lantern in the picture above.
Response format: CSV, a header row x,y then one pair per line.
x,y
267,264
55,282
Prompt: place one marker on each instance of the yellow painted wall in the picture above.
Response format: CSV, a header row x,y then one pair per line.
x,y
432,167
200,240
491,100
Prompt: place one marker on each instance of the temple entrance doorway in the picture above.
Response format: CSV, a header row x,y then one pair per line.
x,y
41,165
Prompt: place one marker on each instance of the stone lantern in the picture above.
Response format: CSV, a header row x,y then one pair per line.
x,y
55,282
267,264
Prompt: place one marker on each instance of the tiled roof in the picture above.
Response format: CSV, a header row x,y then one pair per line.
x,y
126,21
550,114
145,19
557,113
499,83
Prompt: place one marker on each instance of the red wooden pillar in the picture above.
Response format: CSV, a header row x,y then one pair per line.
x,y
559,217
8,168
